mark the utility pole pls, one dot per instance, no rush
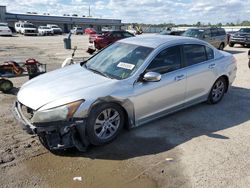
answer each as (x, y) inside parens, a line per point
(89, 10)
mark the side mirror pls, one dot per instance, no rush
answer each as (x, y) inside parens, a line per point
(152, 77)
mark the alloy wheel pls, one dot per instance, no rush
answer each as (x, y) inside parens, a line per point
(218, 90)
(107, 123)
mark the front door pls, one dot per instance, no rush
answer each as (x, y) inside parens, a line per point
(154, 99)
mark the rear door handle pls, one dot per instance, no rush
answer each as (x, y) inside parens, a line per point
(211, 66)
(180, 77)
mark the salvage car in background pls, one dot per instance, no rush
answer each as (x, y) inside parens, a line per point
(44, 30)
(171, 31)
(90, 31)
(241, 37)
(131, 82)
(5, 30)
(77, 30)
(215, 36)
(26, 28)
(56, 30)
(102, 40)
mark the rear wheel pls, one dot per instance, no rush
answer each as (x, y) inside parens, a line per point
(221, 47)
(105, 123)
(217, 92)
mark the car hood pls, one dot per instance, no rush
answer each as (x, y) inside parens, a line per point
(69, 83)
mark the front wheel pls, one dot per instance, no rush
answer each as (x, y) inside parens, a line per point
(231, 44)
(217, 92)
(105, 123)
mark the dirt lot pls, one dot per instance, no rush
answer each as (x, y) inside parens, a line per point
(203, 146)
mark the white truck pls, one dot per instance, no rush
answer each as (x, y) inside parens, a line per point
(26, 28)
(55, 28)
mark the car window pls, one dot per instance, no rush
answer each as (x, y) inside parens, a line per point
(222, 32)
(214, 32)
(207, 33)
(116, 35)
(126, 34)
(210, 53)
(166, 61)
(194, 53)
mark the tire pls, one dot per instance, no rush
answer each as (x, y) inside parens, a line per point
(217, 92)
(99, 127)
(6, 85)
(221, 47)
(231, 44)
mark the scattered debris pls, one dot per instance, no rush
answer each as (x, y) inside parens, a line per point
(169, 159)
(77, 178)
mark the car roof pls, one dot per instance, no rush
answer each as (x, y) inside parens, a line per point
(153, 41)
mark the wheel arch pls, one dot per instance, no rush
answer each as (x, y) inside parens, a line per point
(226, 78)
(125, 104)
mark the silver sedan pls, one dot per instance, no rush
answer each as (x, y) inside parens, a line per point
(129, 83)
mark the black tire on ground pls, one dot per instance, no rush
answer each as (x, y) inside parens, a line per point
(231, 44)
(91, 121)
(218, 90)
(5, 85)
(221, 47)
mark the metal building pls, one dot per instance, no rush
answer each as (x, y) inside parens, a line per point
(64, 22)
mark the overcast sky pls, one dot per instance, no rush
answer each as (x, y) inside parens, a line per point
(141, 11)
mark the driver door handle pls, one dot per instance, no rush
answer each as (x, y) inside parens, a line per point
(180, 77)
(211, 66)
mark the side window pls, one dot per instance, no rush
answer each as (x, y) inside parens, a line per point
(166, 61)
(222, 32)
(214, 32)
(116, 35)
(194, 54)
(207, 33)
(210, 53)
(125, 34)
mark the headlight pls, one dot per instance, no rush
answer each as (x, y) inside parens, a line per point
(60, 113)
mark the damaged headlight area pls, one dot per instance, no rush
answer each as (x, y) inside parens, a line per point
(59, 113)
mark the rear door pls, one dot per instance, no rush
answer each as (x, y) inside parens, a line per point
(201, 71)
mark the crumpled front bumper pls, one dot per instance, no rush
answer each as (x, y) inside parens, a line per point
(58, 134)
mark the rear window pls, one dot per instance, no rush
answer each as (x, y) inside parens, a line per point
(210, 53)
(194, 54)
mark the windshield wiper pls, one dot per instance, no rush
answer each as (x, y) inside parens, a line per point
(98, 72)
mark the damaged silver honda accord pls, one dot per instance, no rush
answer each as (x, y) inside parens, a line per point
(129, 83)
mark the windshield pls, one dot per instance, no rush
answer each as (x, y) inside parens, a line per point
(44, 27)
(29, 26)
(245, 30)
(119, 60)
(196, 33)
(55, 27)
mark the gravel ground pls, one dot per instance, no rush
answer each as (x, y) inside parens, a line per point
(202, 146)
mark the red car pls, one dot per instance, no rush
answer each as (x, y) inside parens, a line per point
(107, 38)
(90, 31)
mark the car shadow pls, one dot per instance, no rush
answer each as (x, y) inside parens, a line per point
(166, 133)
(234, 51)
